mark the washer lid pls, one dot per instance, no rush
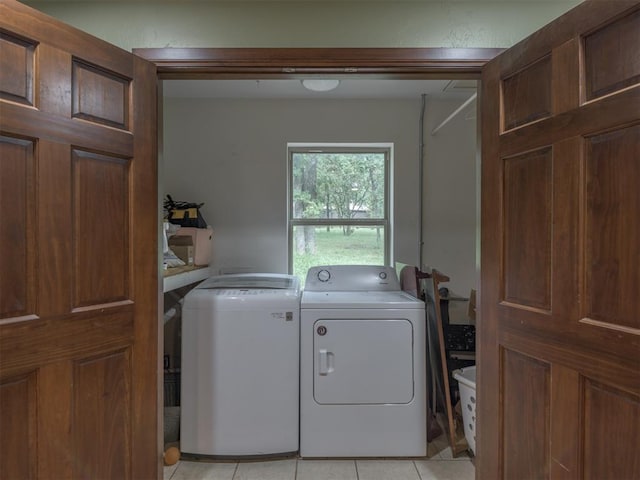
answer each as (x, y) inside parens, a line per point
(252, 281)
(372, 299)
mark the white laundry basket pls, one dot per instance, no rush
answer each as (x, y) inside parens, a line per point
(466, 378)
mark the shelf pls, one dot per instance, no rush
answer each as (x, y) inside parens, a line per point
(181, 276)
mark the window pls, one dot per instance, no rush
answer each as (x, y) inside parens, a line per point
(339, 205)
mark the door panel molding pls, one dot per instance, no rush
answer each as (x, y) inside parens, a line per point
(111, 107)
(19, 58)
(612, 170)
(609, 413)
(526, 95)
(17, 229)
(525, 423)
(18, 421)
(100, 242)
(102, 399)
(606, 73)
(527, 209)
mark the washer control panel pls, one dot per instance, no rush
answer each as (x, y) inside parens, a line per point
(324, 275)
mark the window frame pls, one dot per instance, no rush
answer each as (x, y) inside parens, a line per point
(386, 222)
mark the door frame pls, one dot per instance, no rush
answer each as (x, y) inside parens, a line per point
(295, 63)
(280, 63)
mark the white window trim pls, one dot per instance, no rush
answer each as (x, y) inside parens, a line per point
(387, 222)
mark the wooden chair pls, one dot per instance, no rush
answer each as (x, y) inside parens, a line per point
(456, 437)
(411, 281)
(425, 285)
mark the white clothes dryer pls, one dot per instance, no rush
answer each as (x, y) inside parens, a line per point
(240, 366)
(362, 367)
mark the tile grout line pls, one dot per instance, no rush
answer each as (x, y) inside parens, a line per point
(355, 463)
(235, 470)
(174, 470)
(417, 471)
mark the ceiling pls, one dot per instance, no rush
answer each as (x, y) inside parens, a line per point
(356, 88)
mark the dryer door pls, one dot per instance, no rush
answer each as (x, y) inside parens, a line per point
(363, 361)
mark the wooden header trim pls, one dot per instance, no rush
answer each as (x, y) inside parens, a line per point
(183, 63)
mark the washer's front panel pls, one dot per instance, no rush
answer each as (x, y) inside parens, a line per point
(363, 361)
(240, 371)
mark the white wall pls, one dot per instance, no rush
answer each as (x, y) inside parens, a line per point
(449, 215)
(424, 23)
(232, 155)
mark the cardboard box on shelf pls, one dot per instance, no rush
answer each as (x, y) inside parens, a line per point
(202, 243)
(182, 246)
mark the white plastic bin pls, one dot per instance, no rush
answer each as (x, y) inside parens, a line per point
(466, 378)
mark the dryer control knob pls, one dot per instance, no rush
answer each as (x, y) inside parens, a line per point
(324, 275)
(383, 275)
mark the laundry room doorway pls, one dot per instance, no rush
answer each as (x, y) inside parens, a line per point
(210, 155)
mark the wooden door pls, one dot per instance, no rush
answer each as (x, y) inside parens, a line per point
(559, 346)
(78, 240)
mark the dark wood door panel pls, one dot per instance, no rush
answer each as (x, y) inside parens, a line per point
(90, 394)
(96, 213)
(591, 422)
(17, 229)
(526, 95)
(607, 67)
(612, 201)
(18, 60)
(102, 399)
(527, 210)
(100, 228)
(611, 421)
(569, 406)
(525, 399)
(111, 107)
(18, 421)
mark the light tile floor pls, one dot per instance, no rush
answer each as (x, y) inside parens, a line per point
(438, 465)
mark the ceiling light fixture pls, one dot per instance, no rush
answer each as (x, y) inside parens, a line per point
(320, 84)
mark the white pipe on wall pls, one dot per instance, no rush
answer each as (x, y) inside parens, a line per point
(421, 187)
(454, 113)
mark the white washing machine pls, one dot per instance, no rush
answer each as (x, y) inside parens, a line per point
(240, 366)
(362, 367)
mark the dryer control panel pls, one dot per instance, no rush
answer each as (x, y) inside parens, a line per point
(353, 278)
